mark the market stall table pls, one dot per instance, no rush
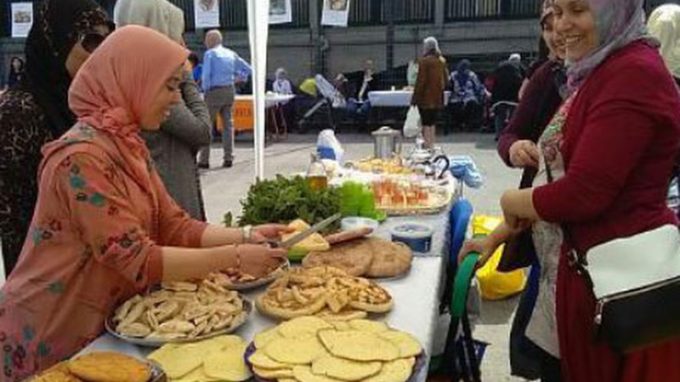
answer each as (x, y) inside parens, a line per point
(242, 113)
(416, 295)
(395, 98)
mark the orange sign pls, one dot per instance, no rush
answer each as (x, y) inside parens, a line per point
(242, 114)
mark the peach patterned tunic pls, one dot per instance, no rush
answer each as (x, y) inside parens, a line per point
(94, 241)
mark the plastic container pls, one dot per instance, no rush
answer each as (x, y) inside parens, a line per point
(326, 153)
(417, 236)
(355, 222)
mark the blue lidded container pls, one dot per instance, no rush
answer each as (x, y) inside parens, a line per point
(417, 236)
(326, 153)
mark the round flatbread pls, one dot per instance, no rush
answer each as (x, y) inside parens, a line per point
(353, 257)
(261, 360)
(273, 374)
(369, 326)
(305, 374)
(390, 259)
(263, 338)
(407, 344)
(344, 369)
(302, 326)
(295, 351)
(343, 315)
(109, 367)
(395, 371)
(358, 346)
(227, 364)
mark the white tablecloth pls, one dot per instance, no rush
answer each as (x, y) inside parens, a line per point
(395, 98)
(416, 296)
(272, 99)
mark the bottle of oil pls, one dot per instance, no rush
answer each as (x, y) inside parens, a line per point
(316, 174)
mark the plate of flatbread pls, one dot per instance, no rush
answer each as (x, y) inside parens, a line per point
(369, 257)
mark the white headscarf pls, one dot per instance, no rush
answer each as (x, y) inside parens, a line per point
(664, 24)
(431, 45)
(160, 15)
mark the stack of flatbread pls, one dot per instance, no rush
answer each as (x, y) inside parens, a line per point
(368, 257)
(309, 349)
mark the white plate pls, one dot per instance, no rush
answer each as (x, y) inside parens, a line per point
(247, 308)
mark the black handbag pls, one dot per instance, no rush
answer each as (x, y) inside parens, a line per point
(636, 283)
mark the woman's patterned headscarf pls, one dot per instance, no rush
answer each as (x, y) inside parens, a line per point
(618, 23)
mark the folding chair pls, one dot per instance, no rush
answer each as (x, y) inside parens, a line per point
(462, 355)
(459, 218)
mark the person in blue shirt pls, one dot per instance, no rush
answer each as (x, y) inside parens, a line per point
(196, 68)
(222, 67)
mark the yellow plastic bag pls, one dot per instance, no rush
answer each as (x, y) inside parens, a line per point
(493, 284)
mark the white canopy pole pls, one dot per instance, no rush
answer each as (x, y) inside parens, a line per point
(258, 30)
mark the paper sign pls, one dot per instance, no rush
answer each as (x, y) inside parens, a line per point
(207, 14)
(22, 19)
(280, 12)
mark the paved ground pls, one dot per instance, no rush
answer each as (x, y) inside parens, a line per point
(223, 188)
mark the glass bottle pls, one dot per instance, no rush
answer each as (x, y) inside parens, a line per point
(316, 174)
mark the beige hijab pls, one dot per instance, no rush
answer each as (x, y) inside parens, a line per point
(160, 15)
(664, 24)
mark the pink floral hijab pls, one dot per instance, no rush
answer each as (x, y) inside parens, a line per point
(619, 22)
(116, 85)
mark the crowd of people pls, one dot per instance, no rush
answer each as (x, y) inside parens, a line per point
(107, 121)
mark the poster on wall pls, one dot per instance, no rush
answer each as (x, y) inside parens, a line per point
(335, 13)
(280, 12)
(22, 19)
(207, 14)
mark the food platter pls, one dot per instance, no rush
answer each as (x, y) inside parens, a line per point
(179, 312)
(61, 370)
(247, 310)
(309, 348)
(324, 291)
(253, 284)
(421, 362)
(402, 199)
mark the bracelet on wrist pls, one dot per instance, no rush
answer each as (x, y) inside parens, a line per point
(246, 233)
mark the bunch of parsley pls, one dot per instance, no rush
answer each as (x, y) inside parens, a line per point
(283, 200)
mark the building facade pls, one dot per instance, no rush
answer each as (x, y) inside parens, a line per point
(389, 32)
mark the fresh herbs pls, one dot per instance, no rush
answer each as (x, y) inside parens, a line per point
(282, 200)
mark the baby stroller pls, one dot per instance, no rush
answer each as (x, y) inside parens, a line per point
(323, 113)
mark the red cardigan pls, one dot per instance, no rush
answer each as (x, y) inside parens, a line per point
(622, 136)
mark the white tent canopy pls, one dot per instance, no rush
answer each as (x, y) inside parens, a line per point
(258, 31)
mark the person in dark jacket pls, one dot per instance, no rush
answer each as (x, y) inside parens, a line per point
(16, 72)
(174, 147)
(517, 147)
(63, 35)
(428, 95)
(508, 79)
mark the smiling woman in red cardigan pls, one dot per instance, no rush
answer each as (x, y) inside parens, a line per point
(618, 140)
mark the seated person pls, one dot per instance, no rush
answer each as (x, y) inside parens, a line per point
(467, 97)
(357, 101)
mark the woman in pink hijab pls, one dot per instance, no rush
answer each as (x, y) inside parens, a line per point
(104, 227)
